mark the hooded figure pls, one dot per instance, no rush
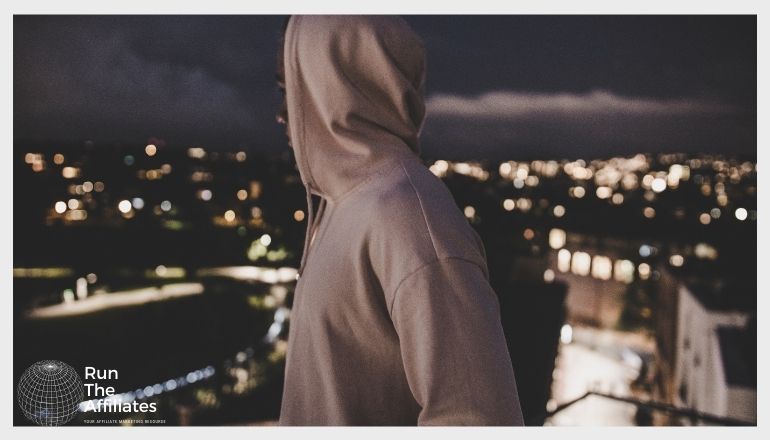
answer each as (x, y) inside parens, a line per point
(394, 321)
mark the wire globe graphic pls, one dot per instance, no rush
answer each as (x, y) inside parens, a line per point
(49, 393)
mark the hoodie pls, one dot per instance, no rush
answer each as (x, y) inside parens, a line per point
(393, 321)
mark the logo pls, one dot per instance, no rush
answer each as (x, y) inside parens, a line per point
(49, 393)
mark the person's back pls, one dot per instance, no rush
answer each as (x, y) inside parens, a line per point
(393, 321)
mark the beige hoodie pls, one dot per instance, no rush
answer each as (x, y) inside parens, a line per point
(394, 321)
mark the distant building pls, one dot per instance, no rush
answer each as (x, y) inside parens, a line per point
(707, 348)
(598, 270)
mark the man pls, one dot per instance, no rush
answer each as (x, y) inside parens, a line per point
(394, 321)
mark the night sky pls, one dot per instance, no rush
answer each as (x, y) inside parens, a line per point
(498, 86)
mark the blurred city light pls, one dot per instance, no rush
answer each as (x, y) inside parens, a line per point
(614, 256)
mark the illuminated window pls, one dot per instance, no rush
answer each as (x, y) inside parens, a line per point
(624, 271)
(440, 168)
(197, 153)
(462, 168)
(649, 212)
(79, 214)
(722, 200)
(70, 172)
(644, 271)
(647, 181)
(603, 192)
(658, 184)
(563, 261)
(581, 263)
(577, 192)
(630, 182)
(557, 238)
(505, 169)
(524, 204)
(124, 206)
(602, 268)
(706, 251)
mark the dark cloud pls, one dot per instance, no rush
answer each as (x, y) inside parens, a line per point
(654, 56)
(597, 123)
(497, 85)
(188, 79)
(511, 106)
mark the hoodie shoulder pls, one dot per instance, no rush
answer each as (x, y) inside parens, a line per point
(414, 222)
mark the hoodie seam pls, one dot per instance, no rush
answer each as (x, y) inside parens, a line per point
(425, 266)
(422, 209)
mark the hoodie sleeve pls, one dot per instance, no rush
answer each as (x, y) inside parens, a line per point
(455, 355)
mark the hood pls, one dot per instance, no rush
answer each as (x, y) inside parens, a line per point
(354, 97)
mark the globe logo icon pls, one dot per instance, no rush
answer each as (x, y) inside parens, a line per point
(49, 393)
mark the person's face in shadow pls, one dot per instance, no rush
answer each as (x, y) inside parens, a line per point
(282, 116)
